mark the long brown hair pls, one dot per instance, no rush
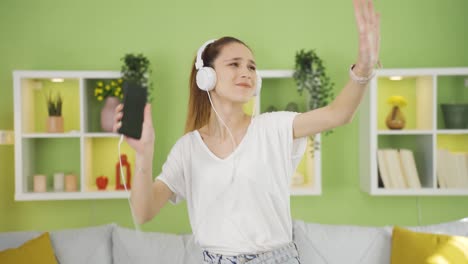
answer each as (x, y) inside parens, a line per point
(199, 108)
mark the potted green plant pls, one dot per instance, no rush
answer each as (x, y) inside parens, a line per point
(455, 111)
(310, 75)
(54, 109)
(137, 92)
(136, 72)
(455, 115)
(109, 91)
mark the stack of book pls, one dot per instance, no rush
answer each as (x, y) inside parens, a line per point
(452, 169)
(397, 169)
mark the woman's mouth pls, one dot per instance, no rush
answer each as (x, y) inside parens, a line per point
(245, 85)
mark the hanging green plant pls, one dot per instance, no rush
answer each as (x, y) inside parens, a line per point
(310, 75)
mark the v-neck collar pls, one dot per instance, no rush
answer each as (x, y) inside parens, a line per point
(239, 146)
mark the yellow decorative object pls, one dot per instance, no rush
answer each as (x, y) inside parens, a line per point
(108, 88)
(38, 250)
(396, 119)
(409, 247)
(397, 100)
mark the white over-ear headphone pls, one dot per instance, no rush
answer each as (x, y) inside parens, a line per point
(206, 76)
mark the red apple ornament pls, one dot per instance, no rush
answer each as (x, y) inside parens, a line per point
(101, 182)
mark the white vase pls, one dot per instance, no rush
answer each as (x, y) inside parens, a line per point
(107, 113)
(59, 181)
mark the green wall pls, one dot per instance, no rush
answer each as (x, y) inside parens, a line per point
(94, 35)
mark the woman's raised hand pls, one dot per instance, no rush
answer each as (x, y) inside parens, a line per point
(368, 24)
(146, 143)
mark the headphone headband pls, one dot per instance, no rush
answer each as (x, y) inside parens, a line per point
(199, 63)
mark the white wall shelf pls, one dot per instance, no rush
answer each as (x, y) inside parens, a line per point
(425, 132)
(72, 196)
(80, 149)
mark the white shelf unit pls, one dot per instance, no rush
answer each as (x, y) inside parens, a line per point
(424, 133)
(77, 150)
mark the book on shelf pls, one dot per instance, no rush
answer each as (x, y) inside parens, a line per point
(442, 168)
(383, 169)
(397, 169)
(452, 169)
(392, 162)
(461, 169)
(409, 169)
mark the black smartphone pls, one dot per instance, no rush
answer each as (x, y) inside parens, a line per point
(134, 101)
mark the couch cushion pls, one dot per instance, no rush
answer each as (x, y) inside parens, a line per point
(37, 250)
(16, 239)
(130, 246)
(83, 245)
(456, 228)
(410, 247)
(193, 252)
(318, 243)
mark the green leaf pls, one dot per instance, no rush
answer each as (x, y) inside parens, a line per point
(310, 75)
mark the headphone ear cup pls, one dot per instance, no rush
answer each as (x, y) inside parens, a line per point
(206, 78)
(258, 85)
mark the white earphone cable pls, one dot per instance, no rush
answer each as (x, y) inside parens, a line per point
(137, 228)
(230, 134)
(220, 119)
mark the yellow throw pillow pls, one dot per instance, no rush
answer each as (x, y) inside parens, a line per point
(410, 247)
(38, 250)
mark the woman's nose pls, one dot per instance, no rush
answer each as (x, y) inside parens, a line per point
(246, 73)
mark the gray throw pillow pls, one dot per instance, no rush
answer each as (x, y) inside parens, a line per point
(324, 244)
(16, 239)
(130, 246)
(83, 245)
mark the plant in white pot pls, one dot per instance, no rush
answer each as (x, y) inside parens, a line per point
(54, 109)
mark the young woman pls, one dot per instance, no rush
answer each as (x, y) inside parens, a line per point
(234, 170)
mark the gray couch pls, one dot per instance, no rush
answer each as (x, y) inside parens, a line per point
(317, 244)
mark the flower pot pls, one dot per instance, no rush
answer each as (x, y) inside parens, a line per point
(395, 119)
(455, 115)
(107, 113)
(55, 124)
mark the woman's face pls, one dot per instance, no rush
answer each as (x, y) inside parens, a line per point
(236, 73)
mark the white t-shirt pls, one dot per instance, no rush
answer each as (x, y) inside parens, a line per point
(241, 211)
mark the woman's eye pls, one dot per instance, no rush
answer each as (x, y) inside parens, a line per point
(234, 64)
(253, 68)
